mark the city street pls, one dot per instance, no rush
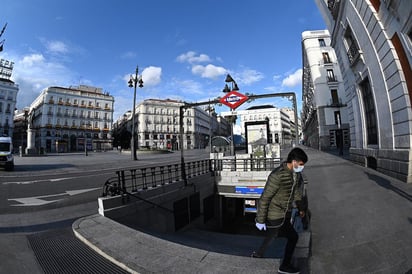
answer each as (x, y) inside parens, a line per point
(47, 193)
(57, 181)
(360, 218)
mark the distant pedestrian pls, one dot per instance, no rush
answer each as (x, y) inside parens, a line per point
(281, 194)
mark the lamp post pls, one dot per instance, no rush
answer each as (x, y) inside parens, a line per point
(133, 81)
(226, 89)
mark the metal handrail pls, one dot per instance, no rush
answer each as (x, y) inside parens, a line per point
(143, 179)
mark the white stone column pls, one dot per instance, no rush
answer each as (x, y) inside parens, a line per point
(31, 149)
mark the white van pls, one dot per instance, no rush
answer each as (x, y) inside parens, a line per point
(6, 153)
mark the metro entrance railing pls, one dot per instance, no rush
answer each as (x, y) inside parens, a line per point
(146, 178)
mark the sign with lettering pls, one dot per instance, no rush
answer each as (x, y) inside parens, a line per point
(233, 99)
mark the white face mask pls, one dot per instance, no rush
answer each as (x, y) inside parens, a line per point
(298, 169)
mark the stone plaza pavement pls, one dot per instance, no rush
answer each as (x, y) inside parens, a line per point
(361, 223)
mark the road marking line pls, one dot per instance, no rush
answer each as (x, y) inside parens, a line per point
(37, 200)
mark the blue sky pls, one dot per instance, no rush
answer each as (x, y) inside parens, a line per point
(184, 48)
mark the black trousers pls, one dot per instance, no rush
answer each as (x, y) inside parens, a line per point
(287, 231)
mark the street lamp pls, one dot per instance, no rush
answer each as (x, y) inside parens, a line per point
(133, 81)
(234, 86)
(226, 89)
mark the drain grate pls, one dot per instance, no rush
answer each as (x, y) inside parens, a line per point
(59, 251)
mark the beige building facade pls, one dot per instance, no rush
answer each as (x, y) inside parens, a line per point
(70, 119)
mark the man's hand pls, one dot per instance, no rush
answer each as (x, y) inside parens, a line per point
(261, 226)
(302, 213)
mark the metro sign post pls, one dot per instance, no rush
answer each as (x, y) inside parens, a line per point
(233, 99)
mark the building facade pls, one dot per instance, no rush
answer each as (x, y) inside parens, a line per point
(324, 117)
(8, 96)
(71, 119)
(279, 122)
(158, 125)
(373, 43)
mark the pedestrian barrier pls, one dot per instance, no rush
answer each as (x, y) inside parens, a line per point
(143, 179)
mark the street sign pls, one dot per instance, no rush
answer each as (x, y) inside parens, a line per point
(233, 99)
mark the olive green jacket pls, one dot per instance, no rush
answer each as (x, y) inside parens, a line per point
(282, 189)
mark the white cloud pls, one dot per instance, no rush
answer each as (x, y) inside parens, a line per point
(128, 55)
(33, 73)
(249, 76)
(33, 59)
(56, 47)
(192, 57)
(209, 71)
(276, 77)
(293, 79)
(189, 87)
(152, 76)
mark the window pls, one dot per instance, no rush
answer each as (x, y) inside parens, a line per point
(334, 95)
(322, 42)
(370, 113)
(330, 75)
(326, 58)
(351, 47)
(337, 118)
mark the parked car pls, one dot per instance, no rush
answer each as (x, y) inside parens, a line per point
(6, 153)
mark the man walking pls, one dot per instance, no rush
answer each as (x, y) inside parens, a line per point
(282, 192)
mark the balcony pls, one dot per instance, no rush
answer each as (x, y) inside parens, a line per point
(353, 54)
(336, 103)
(332, 79)
(333, 6)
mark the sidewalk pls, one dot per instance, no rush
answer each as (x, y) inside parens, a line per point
(361, 223)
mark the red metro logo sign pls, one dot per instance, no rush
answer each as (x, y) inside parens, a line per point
(233, 99)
